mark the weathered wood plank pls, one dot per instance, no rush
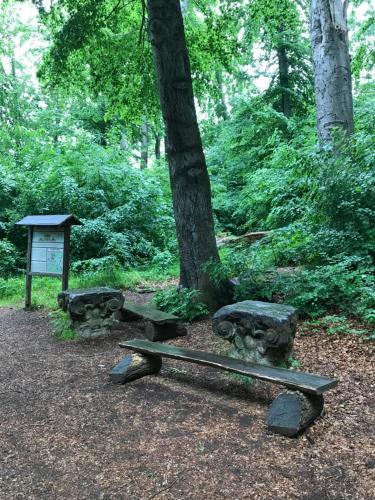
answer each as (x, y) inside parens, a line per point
(305, 382)
(147, 312)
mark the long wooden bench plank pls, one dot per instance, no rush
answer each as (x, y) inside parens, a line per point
(305, 382)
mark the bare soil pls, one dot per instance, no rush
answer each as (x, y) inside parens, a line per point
(189, 433)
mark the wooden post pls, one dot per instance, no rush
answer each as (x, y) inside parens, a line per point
(28, 268)
(65, 275)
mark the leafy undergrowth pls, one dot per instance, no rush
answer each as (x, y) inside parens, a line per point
(45, 289)
(183, 302)
(333, 324)
(62, 326)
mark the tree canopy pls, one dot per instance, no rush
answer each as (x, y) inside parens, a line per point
(72, 140)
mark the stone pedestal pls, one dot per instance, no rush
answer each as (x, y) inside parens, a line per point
(261, 332)
(91, 310)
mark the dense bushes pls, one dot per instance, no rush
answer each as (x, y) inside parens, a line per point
(126, 213)
(269, 173)
(9, 258)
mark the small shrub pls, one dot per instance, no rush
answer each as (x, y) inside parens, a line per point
(9, 257)
(11, 288)
(183, 302)
(62, 326)
(163, 259)
(95, 265)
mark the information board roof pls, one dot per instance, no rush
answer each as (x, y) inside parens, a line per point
(49, 220)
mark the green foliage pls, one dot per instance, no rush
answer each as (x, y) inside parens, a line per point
(62, 326)
(347, 284)
(268, 173)
(335, 324)
(364, 44)
(61, 154)
(183, 302)
(9, 258)
(246, 381)
(45, 289)
(112, 198)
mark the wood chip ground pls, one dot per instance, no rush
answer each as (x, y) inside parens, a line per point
(189, 433)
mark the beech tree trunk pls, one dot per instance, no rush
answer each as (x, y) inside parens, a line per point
(187, 166)
(284, 80)
(333, 85)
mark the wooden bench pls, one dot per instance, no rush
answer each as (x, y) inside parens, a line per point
(290, 412)
(159, 324)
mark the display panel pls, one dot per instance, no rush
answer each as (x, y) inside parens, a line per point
(47, 252)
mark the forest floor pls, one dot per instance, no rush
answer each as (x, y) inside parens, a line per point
(189, 433)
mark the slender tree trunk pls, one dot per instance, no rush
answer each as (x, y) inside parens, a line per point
(221, 106)
(144, 144)
(187, 166)
(157, 145)
(284, 80)
(101, 124)
(333, 85)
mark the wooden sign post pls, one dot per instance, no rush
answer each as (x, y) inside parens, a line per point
(47, 248)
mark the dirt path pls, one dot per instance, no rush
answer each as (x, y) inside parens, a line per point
(189, 433)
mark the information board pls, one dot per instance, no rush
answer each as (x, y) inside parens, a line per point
(47, 252)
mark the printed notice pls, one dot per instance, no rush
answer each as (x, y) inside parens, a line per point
(47, 252)
(55, 260)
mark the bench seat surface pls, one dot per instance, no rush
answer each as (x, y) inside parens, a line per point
(305, 382)
(149, 313)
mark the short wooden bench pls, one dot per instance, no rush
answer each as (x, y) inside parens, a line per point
(159, 324)
(290, 412)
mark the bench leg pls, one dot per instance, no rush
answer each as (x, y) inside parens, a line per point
(292, 411)
(133, 366)
(164, 332)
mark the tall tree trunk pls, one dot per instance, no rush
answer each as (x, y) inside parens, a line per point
(187, 166)
(144, 144)
(333, 84)
(284, 80)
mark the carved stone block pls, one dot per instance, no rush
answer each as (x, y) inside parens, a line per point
(92, 309)
(261, 332)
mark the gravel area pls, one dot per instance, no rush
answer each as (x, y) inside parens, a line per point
(189, 433)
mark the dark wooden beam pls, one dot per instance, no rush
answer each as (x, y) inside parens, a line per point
(28, 268)
(134, 366)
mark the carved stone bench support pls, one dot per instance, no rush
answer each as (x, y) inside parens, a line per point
(260, 332)
(91, 310)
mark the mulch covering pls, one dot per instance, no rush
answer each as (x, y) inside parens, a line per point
(189, 433)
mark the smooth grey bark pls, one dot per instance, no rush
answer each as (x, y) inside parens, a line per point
(333, 84)
(284, 80)
(189, 178)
